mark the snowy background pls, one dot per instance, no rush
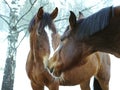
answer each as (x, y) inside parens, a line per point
(21, 80)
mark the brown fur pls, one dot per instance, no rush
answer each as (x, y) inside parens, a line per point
(72, 50)
(96, 64)
(108, 40)
(39, 53)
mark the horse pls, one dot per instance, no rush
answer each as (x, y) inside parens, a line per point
(96, 64)
(81, 39)
(36, 65)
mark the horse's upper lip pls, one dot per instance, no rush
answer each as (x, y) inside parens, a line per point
(51, 70)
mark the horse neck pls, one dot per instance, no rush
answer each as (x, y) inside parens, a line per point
(55, 40)
(55, 37)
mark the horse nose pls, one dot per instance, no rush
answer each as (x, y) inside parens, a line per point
(51, 69)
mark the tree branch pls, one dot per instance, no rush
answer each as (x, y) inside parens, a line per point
(21, 40)
(22, 29)
(61, 19)
(90, 7)
(2, 17)
(60, 29)
(26, 20)
(26, 12)
(22, 26)
(7, 4)
(105, 1)
(30, 2)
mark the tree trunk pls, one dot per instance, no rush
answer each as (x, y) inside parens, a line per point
(9, 70)
(8, 79)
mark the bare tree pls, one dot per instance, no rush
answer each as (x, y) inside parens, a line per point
(14, 29)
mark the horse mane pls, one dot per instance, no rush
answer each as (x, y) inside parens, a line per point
(44, 21)
(94, 23)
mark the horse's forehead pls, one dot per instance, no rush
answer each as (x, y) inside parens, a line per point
(49, 34)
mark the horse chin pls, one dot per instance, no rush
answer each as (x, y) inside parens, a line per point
(57, 73)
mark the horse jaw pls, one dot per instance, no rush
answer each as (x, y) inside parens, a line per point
(45, 60)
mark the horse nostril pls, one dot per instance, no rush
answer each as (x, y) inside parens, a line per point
(51, 69)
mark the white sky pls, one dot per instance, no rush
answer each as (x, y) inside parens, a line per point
(21, 79)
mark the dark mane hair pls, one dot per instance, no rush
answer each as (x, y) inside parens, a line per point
(44, 21)
(94, 23)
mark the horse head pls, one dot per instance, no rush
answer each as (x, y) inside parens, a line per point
(39, 41)
(81, 40)
(70, 50)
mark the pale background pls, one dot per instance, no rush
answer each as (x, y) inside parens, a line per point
(21, 80)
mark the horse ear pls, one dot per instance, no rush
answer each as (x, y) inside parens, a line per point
(80, 15)
(40, 13)
(72, 19)
(54, 13)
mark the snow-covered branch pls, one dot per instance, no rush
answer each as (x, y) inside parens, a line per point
(30, 2)
(21, 40)
(21, 26)
(8, 5)
(23, 29)
(26, 12)
(61, 19)
(2, 17)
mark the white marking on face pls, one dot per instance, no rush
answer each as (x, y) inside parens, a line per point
(55, 51)
(52, 51)
(49, 32)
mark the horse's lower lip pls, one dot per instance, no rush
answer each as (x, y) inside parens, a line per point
(57, 74)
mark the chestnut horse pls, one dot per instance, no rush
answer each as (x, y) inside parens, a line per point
(36, 65)
(81, 39)
(96, 64)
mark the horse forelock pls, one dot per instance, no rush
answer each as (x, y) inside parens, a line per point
(48, 26)
(43, 28)
(46, 20)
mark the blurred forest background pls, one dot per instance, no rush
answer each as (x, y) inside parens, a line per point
(15, 16)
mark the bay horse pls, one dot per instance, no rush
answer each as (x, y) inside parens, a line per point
(96, 64)
(36, 65)
(98, 32)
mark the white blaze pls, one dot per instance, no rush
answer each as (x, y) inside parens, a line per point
(49, 32)
(52, 51)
